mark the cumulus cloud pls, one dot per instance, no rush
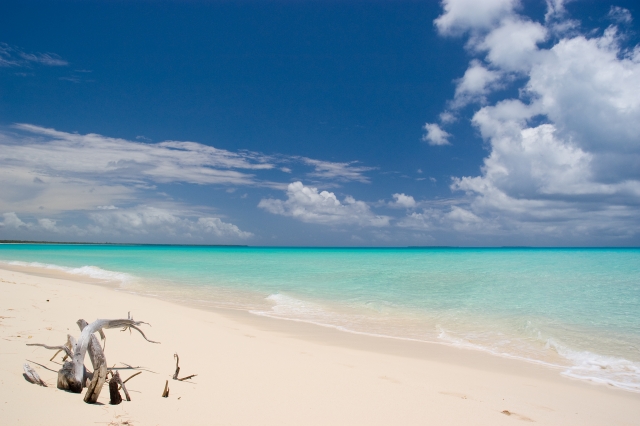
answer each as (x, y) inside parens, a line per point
(135, 221)
(565, 156)
(307, 204)
(435, 135)
(464, 15)
(149, 219)
(476, 83)
(512, 46)
(11, 220)
(403, 201)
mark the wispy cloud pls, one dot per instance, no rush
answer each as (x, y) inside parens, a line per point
(342, 172)
(12, 56)
(55, 178)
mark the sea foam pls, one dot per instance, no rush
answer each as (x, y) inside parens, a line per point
(88, 271)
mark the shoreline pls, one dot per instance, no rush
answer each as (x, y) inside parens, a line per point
(330, 334)
(259, 370)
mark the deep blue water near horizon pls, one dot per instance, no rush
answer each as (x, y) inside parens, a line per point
(577, 309)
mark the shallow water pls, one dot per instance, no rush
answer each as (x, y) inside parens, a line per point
(578, 309)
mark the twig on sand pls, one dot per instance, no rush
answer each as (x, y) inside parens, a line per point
(132, 376)
(175, 375)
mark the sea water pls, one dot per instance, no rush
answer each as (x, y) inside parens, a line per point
(573, 309)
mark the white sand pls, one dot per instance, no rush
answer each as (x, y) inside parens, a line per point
(260, 371)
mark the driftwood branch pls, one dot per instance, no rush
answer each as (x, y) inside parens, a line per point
(59, 348)
(99, 363)
(31, 375)
(55, 355)
(175, 375)
(165, 393)
(116, 376)
(85, 339)
(131, 377)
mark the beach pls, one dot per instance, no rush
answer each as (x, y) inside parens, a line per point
(257, 370)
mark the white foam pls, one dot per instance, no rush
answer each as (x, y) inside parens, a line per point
(583, 365)
(88, 271)
(610, 370)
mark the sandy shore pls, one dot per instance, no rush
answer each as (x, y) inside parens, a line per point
(259, 371)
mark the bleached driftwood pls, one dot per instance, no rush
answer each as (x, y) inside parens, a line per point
(66, 376)
(99, 363)
(72, 376)
(31, 375)
(85, 339)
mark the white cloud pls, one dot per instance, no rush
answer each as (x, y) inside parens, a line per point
(56, 178)
(512, 46)
(306, 204)
(11, 220)
(565, 157)
(135, 221)
(435, 135)
(476, 83)
(149, 219)
(343, 172)
(11, 56)
(121, 159)
(620, 15)
(463, 15)
(47, 224)
(403, 201)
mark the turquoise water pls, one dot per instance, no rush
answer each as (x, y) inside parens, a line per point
(575, 309)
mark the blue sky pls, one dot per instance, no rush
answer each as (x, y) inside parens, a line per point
(461, 122)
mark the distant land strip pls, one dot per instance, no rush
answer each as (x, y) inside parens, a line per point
(118, 244)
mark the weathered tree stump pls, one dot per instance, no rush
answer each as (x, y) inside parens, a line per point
(114, 394)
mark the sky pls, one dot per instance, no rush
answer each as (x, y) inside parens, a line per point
(321, 123)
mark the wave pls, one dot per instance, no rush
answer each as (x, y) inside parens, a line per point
(610, 370)
(87, 270)
(582, 365)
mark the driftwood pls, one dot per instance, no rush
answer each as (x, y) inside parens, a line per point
(165, 393)
(87, 332)
(99, 363)
(73, 374)
(31, 375)
(175, 375)
(116, 376)
(131, 377)
(114, 395)
(67, 379)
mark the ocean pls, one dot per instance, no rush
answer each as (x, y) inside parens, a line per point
(573, 309)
